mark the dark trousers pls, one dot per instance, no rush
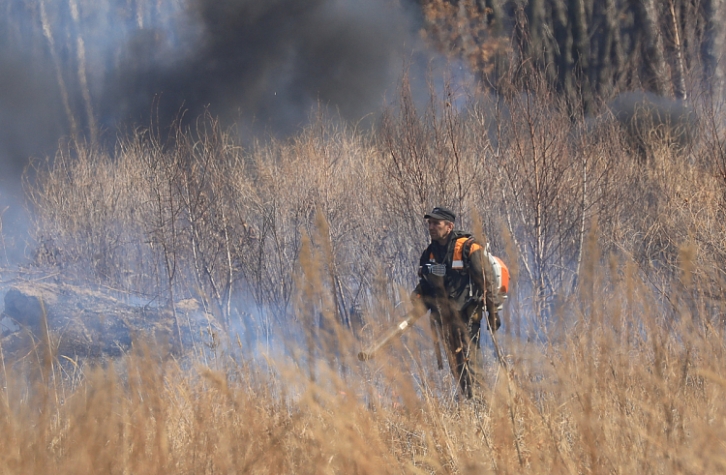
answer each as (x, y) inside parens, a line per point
(461, 340)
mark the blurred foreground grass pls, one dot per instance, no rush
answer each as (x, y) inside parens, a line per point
(613, 388)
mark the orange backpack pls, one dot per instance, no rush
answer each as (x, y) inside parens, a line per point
(501, 273)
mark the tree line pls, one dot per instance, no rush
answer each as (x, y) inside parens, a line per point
(589, 50)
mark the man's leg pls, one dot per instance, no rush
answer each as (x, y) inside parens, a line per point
(463, 362)
(474, 361)
(435, 321)
(457, 342)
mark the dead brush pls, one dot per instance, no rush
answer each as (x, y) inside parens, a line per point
(614, 342)
(620, 377)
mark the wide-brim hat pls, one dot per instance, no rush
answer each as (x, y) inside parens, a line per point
(442, 214)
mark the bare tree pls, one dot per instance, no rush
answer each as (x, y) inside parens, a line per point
(581, 52)
(610, 56)
(653, 62)
(713, 44)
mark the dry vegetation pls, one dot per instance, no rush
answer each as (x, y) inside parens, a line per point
(613, 347)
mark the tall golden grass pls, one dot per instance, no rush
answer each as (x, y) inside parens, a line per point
(618, 388)
(612, 351)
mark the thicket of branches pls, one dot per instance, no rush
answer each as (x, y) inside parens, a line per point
(198, 214)
(612, 225)
(633, 354)
(589, 50)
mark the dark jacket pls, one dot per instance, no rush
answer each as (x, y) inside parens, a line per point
(468, 278)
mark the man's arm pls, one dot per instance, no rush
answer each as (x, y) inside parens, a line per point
(482, 274)
(420, 287)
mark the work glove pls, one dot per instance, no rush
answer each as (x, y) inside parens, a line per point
(474, 327)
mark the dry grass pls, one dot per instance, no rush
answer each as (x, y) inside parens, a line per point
(613, 342)
(622, 390)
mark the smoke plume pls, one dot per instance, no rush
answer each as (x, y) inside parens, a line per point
(263, 65)
(83, 69)
(267, 62)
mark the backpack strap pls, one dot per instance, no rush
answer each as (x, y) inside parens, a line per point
(457, 261)
(463, 249)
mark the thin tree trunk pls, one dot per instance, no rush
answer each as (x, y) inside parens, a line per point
(533, 38)
(563, 36)
(678, 71)
(583, 220)
(713, 45)
(82, 72)
(654, 64)
(581, 51)
(494, 15)
(540, 48)
(610, 49)
(48, 33)
(495, 20)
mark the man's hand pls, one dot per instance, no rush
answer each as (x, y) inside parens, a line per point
(474, 327)
(476, 315)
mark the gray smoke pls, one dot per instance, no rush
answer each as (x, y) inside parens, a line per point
(651, 120)
(30, 125)
(263, 65)
(267, 63)
(30, 113)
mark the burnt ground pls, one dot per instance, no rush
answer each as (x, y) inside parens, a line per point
(87, 322)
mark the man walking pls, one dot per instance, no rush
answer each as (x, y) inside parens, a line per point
(456, 284)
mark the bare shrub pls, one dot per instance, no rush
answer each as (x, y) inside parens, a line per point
(623, 375)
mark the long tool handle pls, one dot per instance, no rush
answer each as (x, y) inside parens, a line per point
(400, 328)
(437, 343)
